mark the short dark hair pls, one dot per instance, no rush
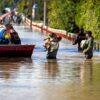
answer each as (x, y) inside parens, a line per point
(89, 33)
(9, 25)
(59, 38)
(52, 35)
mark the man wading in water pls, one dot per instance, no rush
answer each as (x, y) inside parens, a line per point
(80, 37)
(88, 46)
(52, 46)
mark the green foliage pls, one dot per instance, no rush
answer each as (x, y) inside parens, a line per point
(67, 14)
(61, 14)
(6, 3)
(88, 16)
(53, 15)
(21, 5)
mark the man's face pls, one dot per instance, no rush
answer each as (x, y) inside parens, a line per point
(87, 35)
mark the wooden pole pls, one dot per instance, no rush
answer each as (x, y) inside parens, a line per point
(31, 6)
(25, 9)
(45, 4)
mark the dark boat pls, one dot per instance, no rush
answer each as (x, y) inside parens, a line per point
(16, 50)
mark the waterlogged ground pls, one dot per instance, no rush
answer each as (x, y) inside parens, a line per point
(70, 77)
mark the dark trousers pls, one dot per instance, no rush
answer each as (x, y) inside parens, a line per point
(88, 56)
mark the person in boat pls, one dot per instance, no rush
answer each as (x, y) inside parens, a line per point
(88, 46)
(12, 35)
(80, 37)
(53, 48)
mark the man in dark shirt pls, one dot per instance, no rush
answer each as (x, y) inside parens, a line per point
(14, 37)
(80, 37)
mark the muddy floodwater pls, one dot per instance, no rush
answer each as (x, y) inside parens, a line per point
(69, 77)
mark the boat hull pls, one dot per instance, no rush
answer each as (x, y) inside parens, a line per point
(16, 50)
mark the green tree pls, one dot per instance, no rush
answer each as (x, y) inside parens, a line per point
(65, 14)
(62, 14)
(6, 3)
(88, 16)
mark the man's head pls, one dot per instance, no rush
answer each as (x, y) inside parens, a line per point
(82, 30)
(59, 38)
(8, 26)
(88, 34)
(52, 35)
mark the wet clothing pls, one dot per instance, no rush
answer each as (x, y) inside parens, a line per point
(52, 50)
(52, 55)
(88, 50)
(54, 46)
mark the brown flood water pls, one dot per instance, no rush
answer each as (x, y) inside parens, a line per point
(70, 77)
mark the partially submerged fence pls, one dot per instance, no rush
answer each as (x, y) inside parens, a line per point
(48, 30)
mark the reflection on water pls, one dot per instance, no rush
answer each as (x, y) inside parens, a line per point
(10, 66)
(51, 68)
(86, 72)
(6, 71)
